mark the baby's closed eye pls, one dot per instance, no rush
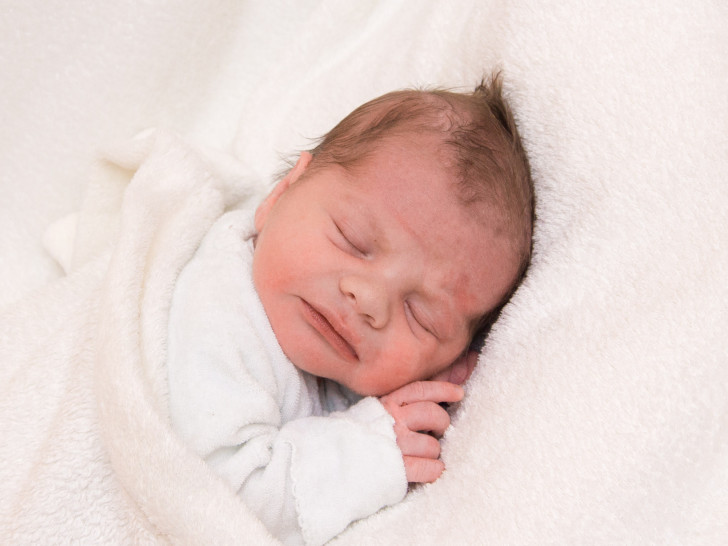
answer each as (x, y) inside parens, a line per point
(417, 316)
(350, 241)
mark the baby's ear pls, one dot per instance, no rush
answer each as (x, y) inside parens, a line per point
(261, 213)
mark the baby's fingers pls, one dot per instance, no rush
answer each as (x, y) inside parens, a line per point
(425, 416)
(415, 444)
(421, 470)
(422, 391)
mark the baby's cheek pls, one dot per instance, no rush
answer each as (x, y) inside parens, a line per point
(271, 272)
(404, 362)
(438, 358)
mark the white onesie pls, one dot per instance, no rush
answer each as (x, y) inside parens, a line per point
(304, 459)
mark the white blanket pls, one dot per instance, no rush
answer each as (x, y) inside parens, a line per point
(89, 453)
(599, 411)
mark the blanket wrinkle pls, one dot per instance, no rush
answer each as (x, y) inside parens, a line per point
(98, 459)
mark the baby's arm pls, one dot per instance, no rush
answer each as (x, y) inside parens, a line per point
(319, 474)
(416, 411)
(307, 478)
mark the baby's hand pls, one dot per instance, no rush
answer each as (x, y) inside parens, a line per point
(416, 411)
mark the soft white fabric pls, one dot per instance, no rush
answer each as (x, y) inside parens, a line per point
(598, 414)
(90, 455)
(262, 424)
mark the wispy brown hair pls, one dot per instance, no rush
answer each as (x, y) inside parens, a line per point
(478, 135)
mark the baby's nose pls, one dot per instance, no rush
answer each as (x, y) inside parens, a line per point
(369, 298)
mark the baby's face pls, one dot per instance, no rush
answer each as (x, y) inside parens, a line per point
(374, 278)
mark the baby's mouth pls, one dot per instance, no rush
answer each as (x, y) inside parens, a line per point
(329, 333)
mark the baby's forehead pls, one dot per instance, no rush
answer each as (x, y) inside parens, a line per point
(416, 180)
(460, 247)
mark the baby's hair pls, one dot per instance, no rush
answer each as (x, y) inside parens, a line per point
(480, 143)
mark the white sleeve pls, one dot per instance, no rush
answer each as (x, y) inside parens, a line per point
(325, 472)
(307, 478)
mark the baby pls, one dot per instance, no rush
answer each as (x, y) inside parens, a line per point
(312, 341)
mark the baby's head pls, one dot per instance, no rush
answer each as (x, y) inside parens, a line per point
(389, 245)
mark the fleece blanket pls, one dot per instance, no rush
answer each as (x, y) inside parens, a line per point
(88, 448)
(598, 413)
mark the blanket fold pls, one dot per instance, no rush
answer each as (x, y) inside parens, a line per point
(93, 455)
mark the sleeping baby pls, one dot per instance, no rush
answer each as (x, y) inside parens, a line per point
(314, 339)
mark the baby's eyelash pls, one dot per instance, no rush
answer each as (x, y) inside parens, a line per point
(418, 320)
(348, 240)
